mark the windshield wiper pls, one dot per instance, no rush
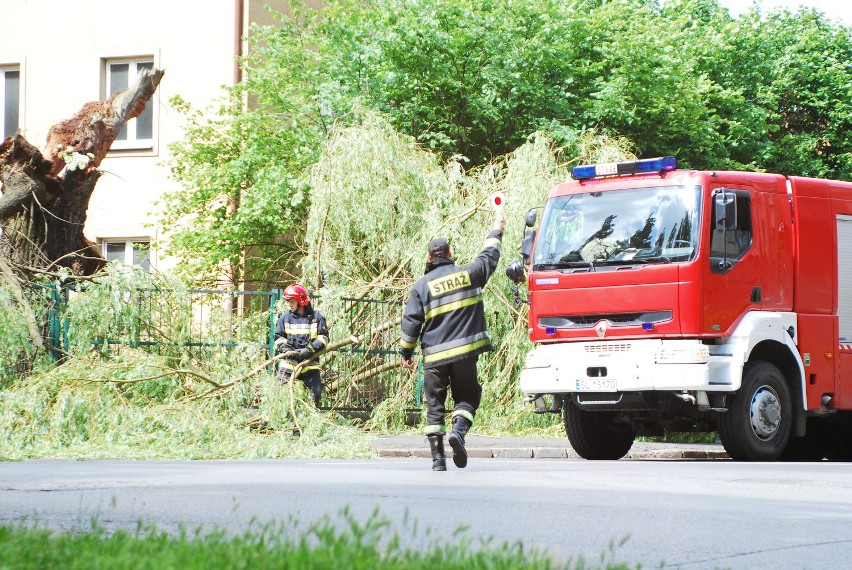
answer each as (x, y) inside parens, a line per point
(655, 259)
(634, 261)
(562, 265)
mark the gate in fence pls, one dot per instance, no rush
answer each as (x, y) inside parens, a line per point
(359, 377)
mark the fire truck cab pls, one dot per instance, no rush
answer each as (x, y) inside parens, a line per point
(663, 299)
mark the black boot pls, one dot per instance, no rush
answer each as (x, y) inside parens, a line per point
(460, 427)
(439, 460)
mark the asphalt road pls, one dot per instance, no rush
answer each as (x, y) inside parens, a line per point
(686, 513)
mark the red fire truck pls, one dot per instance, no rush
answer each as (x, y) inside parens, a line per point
(674, 300)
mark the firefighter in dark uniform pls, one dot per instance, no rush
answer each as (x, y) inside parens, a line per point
(301, 332)
(445, 313)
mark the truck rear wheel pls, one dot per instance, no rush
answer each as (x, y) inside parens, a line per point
(757, 425)
(596, 435)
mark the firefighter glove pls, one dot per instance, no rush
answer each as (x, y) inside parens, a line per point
(305, 354)
(291, 354)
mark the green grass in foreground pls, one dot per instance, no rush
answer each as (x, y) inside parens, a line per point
(371, 545)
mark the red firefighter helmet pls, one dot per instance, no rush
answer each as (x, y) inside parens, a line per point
(297, 292)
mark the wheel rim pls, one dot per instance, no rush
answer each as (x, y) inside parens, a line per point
(765, 412)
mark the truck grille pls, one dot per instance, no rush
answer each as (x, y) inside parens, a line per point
(614, 319)
(602, 347)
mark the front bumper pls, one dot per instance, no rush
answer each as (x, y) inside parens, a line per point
(624, 366)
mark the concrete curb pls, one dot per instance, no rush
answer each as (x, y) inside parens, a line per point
(552, 453)
(510, 447)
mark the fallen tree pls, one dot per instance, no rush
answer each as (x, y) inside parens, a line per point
(45, 198)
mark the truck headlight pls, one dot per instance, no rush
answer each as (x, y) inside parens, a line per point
(537, 360)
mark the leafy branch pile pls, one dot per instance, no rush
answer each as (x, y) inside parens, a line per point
(183, 401)
(69, 412)
(378, 198)
(18, 348)
(157, 394)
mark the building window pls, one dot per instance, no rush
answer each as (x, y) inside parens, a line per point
(138, 133)
(10, 100)
(128, 251)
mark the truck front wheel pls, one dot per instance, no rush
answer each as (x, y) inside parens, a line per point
(757, 425)
(596, 435)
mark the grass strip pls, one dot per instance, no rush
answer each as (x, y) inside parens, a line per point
(369, 545)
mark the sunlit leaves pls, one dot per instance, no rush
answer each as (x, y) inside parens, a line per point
(473, 80)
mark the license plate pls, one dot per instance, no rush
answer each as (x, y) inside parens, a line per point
(596, 385)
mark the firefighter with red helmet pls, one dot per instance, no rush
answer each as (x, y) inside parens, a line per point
(300, 333)
(445, 313)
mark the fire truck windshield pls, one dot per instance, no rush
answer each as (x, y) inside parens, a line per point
(619, 227)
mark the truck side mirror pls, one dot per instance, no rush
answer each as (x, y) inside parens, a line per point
(529, 235)
(725, 210)
(515, 271)
(527, 245)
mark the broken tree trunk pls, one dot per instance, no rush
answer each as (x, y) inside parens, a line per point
(45, 199)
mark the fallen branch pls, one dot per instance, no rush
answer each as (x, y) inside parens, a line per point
(365, 375)
(354, 339)
(12, 282)
(168, 372)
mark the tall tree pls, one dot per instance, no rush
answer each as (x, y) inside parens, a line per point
(236, 221)
(239, 219)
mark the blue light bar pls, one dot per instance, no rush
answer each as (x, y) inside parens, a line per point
(645, 166)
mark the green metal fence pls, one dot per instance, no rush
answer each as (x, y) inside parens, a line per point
(194, 319)
(355, 378)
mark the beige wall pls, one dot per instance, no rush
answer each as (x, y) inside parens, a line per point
(60, 48)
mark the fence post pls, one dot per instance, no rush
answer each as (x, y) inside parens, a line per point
(418, 389)
(54, 323)
(274, 297)
(63, 324)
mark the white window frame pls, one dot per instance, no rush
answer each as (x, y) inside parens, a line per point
(132, 142)
(129, 244)
(3, 71)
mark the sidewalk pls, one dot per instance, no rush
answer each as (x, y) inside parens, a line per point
(488, 447)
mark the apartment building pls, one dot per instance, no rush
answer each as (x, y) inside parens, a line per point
(56, 56)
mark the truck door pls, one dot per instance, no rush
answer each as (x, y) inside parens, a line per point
(732, 277)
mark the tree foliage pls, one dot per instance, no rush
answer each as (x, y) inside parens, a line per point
(811, 85)
(242, 195)
(473, 80)
(240, 217)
